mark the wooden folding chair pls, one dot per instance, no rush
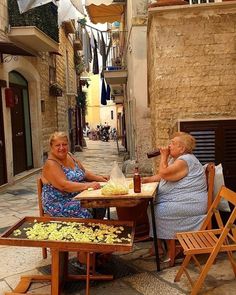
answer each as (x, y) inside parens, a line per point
(41, 211)
(210, 242)
(174, 248)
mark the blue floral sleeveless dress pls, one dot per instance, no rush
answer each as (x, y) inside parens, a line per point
(61, 204)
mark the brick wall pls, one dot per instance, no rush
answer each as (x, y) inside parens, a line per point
(191, 66)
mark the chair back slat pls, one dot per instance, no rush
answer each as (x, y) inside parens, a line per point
(40, 186)
(210, 176)
(227, 194)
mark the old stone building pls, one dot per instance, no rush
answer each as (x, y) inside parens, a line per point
(38, 85)
(191, 74)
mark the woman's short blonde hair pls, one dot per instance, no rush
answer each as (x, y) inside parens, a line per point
(56, 135)
(188, 141)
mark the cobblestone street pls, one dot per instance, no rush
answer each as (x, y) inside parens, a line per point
(137, 274)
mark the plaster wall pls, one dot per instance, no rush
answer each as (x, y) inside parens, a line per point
(191, 65)
(138, 116)
(93, 101)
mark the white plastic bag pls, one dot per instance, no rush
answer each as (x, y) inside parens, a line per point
(117, 184)
(218, 182)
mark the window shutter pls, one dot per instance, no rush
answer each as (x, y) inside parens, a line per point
(205, 145)
(229, 145)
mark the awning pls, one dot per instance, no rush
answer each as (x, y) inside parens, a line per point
(105, 13)
(11, 48)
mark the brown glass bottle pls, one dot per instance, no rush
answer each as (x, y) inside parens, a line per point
(137, 181)
(154, 153)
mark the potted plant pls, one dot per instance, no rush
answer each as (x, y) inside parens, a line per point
(55, 89)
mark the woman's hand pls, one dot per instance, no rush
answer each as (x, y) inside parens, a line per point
(165, 152)
(94, 185)
(105, 178)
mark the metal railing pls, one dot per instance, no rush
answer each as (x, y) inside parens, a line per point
(116, 58)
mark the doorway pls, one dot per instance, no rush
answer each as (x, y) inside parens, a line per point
(21, 126)
(3, 171)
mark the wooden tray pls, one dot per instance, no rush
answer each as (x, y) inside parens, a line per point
(7, 238)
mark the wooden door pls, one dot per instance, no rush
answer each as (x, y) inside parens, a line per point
(3, 173)
(18, 132)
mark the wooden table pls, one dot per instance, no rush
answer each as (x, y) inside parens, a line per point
(95, 199)
(60, 249)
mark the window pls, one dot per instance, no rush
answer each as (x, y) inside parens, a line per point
(215, 142)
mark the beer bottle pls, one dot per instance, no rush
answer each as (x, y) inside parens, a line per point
(137, 181)
(153, 153)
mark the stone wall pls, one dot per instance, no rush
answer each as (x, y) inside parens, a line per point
(55, 117)
(191, 65)
(3, 18)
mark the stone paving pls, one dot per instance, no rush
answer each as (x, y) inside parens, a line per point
(21, 200)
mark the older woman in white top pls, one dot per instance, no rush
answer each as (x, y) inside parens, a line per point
(182, 194)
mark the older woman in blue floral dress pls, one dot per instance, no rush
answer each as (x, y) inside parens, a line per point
(182, 193)
(64, 177)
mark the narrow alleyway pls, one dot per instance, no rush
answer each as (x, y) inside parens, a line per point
(134, 273)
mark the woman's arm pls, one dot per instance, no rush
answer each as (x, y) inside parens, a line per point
(53, 174)
(93, 177)
(175, 171)
(154, 178)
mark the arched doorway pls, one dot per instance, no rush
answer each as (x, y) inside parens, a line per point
(21, 126)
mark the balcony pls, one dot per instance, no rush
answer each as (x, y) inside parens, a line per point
(35, 30)
(117, 94)
(115, 75)
(116, 72)
(32, 39)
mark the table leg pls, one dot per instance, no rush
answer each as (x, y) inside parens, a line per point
(57, 270)
(87, 273)
(155, 235)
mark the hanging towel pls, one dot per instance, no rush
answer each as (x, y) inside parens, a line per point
(95, 59)
(108, 96)
(103, 51)
(103, 93)
(87, 53)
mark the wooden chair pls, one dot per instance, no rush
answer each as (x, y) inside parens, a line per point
(41, 212)
(175, 248)
(209, 241)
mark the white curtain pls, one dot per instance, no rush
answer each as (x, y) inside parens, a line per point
(25, 5)
(78, 5)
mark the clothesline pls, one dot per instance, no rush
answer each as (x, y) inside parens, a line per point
(84, 24)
